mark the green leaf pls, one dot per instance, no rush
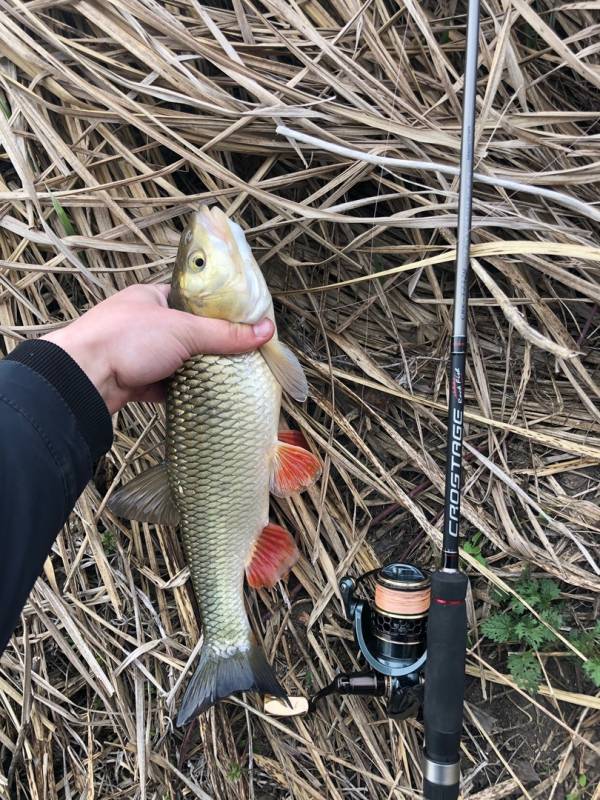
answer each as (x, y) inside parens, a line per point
(582, 780)
(587, 642)
(517, 607)
(4, 107)
(63, 217)
(532, 632)
(473, 549)
(234, 773)
(109, 542)
(526, 671)
(529, 590)
(549, 591)
(553, 617)
(592, 670)
(498, 627)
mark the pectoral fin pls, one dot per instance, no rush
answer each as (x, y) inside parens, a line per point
(146, 498)
(293, 467)
(288, 436)
(286, 368)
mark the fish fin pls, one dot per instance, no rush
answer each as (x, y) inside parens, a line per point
(296, 438)
(218, 676)
(293, 467)
(146, 498)
(273, 555)
(286, 369)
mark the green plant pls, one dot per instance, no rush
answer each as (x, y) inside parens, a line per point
(234, 773)
(589, 644)
(4, 107)
(575, 794)
(514, 624)
(64, 218)
(592, 670)
(473, 547)
(525, 669)
(109, 542)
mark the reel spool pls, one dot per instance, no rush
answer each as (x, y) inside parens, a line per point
(399, 615)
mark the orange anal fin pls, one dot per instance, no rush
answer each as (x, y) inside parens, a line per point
(273, 555)
(293, 468)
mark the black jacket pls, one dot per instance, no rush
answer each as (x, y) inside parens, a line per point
(53, 427)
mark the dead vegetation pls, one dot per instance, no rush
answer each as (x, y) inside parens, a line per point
(118, 118)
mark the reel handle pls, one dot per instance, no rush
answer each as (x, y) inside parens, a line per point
(444, 685)
(368, 684)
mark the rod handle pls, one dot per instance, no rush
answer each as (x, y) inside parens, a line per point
(444, 685)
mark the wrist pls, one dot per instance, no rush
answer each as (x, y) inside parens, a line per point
(90, 354)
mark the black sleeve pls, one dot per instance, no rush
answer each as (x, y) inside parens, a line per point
(53, 426)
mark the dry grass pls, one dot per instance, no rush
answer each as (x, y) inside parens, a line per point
(119, 117)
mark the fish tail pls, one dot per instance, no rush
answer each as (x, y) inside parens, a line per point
(220, 674)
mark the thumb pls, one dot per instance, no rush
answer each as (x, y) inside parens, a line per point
(218, 337)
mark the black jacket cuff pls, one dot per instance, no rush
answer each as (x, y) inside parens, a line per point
(79, 393)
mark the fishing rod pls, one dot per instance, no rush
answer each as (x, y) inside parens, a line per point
(413, 635)
(447, 624)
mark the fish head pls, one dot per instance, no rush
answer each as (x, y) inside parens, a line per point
(215, 273)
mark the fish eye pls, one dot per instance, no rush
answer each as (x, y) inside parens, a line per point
(197, 261)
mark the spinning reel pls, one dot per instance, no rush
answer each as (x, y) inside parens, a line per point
(410, 613)
(391, 634)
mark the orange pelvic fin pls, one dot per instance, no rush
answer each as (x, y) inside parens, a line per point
(293, 467)
(274, 554)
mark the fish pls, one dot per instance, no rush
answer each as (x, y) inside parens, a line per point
(225, 455)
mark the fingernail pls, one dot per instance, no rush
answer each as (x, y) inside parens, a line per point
(262, 328)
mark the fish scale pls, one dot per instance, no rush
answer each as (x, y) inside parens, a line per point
(222, 419)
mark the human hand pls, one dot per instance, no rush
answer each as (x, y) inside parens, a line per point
(128, 344)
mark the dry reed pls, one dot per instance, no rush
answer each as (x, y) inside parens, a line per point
(116, 119)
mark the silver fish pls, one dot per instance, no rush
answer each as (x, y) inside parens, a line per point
(224, 455)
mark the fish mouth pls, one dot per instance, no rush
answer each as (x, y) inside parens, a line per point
(213, 220)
